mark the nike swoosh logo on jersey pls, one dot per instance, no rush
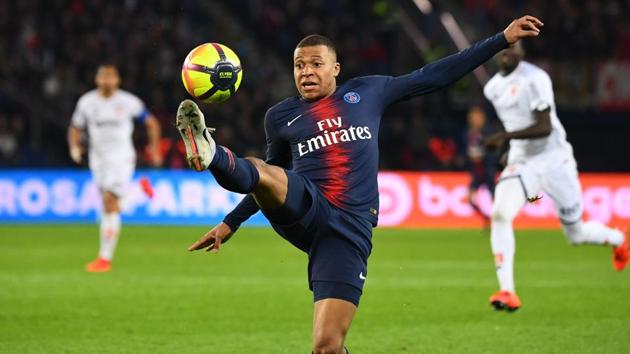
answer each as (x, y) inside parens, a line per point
(361, 276)
(293, 120)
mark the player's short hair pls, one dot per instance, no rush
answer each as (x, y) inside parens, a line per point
(108, 65)
(475, 108)
(317, 39)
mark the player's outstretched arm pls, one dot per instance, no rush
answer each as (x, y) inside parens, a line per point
(213, 239)
(443, 72)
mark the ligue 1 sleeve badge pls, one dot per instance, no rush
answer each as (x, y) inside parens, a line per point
(352, 97)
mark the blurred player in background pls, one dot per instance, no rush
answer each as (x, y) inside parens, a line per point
(482, 164)
(107, 113)
(318, 186)
(539, 159)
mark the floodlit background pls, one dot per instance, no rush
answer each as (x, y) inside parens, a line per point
(50, 50)
(431, 271)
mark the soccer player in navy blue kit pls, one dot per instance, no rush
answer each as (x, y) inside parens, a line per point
(318, 185)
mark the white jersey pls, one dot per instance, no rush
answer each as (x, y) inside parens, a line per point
(515, 96)
(109, 121)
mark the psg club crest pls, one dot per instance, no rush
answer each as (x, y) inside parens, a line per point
(352, 97)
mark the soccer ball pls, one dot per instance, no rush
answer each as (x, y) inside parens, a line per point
(212, 73)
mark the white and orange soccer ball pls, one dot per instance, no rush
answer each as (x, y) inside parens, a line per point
(212, 72)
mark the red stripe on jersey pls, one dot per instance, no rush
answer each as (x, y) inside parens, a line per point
(335, 157)
(336, 185)
(232, 163)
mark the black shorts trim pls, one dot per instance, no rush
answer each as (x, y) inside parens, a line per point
(520, 179)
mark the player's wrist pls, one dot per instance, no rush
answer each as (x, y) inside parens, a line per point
(508, 39)
(75, 152)
(233, 225)
(503, 36)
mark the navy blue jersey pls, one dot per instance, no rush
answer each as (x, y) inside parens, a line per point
(334, 141)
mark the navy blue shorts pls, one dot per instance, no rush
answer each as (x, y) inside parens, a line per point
(337, 242)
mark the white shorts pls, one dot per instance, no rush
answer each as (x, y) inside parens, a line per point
(112, 172)
(554, 173)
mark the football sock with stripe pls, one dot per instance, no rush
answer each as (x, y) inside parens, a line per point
(502, 242)
(109, 230)
(592, 232)
(508, 201)
(232, 172)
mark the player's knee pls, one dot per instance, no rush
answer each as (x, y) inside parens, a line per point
(258, 163)
(266, 171)
(509, 200)
(328, 342)
(110, 203)
(272, 186)
(500, 215)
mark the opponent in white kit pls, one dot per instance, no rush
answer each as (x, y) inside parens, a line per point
(539, 160)
(108, 113)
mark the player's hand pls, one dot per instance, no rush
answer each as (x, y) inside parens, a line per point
(495, 141)
(76, 154)
(526, 26)
(212, 240)
(156, 157)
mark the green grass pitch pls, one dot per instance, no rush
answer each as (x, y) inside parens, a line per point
(426, 292)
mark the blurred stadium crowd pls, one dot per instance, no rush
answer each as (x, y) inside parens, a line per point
(51, 48)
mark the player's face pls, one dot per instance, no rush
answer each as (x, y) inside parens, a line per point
(315, 71)
(107, 79)
(509, 58)
(476, 119)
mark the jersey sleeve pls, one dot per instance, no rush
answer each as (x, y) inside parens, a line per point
(243, 211)
(443, 72)
(79, 118)
(138, 110)
(540, 92)
(278, 149)
(278, 154)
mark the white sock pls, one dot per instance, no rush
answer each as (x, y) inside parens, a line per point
(508, 201)
(592, 232)
(110, 228)
(503, 245)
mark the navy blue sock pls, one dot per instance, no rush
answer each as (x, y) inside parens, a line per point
(232, 172)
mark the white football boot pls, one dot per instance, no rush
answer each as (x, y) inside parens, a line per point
(200, 146)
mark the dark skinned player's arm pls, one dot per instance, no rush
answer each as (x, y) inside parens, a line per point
(278, 154)
(540, 129)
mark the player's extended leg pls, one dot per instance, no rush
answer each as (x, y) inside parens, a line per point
(563, 186)
(595, 233)
(592, 232)
(268, 183)
(331, 322)
(509, 198)
(109, 231)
